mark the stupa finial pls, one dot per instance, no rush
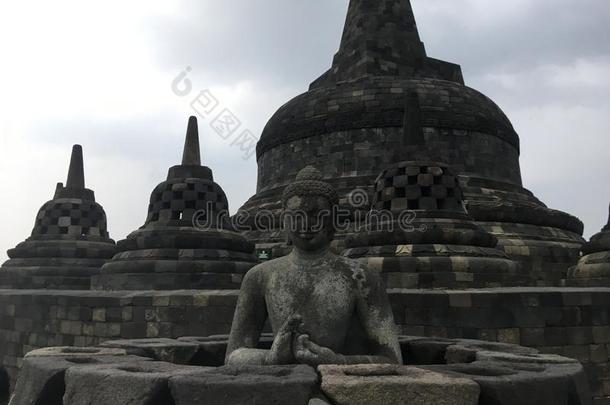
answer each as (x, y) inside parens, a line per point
(192, 155)
(377, 24)
(76, 173)
(381, 38)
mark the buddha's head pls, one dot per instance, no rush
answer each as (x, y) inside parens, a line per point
(309, 208)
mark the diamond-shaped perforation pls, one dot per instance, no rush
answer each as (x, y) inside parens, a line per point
(418, 187)
(180, 199)
(71, 218)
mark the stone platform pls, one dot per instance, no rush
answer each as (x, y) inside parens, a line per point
(439, 371)
(572, 322)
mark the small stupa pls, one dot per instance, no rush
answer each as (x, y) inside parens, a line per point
(69, 243)
(593, 269)
(418, 232)
(188, 241)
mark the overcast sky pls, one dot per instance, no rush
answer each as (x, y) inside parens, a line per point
(100, 74)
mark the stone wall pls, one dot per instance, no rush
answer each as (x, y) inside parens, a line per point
(571, 322)
(364, 153)
(34, 319)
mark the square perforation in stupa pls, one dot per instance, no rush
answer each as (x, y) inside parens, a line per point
(177, 201)
(77, 217)
(417, 188)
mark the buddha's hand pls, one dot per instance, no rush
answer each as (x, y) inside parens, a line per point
(308, 352)
(281, 351)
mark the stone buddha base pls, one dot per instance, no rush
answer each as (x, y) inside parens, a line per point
(437, 371)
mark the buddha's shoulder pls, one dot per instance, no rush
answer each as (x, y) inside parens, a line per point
(266, 268)
(356, 269)
(348, 263)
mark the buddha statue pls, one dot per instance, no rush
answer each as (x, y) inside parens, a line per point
(322, 308)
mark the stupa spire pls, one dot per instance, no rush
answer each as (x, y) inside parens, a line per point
(76, 172)
(381, 38)
(192, 155)
(381, 28)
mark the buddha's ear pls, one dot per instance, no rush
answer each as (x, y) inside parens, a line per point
(286, 230)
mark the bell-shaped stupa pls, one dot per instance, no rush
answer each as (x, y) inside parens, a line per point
(188, 241)
(593, 269)
(418, 234)
(69, 243)
(350, 126)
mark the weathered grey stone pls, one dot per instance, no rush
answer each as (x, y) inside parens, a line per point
(69, 351)
(272, 385)
(395, 385)
(524, 359)
(212, 349)
(42, 377)
(162, 349)
(4, 386)
(526, 383)
(593, 269)
(467, 351)
(318, 401)
(136, 383)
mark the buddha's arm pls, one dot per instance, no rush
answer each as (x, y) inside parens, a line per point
(248, 323)
(376, 316)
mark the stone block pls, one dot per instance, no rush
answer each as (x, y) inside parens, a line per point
(134, 383)
(506, 383)
(272, 385)
(395, 385)
(4, 385)
(77, 352)
(601, 334)
(42, 378)
(170, 350)
(532, 337)
(212, 349)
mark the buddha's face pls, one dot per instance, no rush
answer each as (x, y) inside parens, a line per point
(308, 222)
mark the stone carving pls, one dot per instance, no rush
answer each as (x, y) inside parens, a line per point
(69, 243)
(187, 241)
(593, 269)
(316, 302)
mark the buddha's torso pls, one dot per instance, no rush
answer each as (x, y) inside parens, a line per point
(322, 292)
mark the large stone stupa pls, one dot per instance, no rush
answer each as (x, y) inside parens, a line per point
(350, 126)
(69, 242)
